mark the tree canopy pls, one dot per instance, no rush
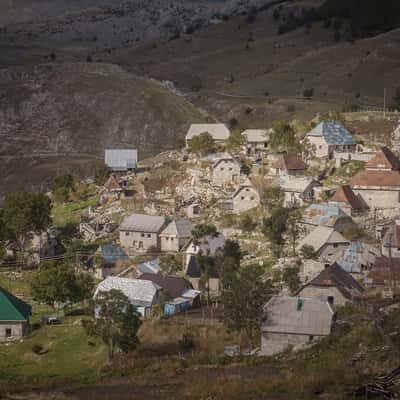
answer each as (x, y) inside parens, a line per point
(202, 144)
(284, 139)
(117, 322)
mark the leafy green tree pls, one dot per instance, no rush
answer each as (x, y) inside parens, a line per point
(202, 144)
(207, 267)
(284, 139)
(275, 227)
(294, 228)
(290, 277)
(272, 196)
(101, 175)
(117, 322)
(54, 283)
(25, 213)
(243, 301)
(230, 262)
(236, 140)
(170, 264)
(308, 252)
(62, 187)
(200, 231)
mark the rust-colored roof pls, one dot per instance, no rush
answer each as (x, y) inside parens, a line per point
(346, 195)
(290, 162)
(112, 183)
(381, 179)
(392, 236)
(335, 276)
(381, 272)
(384, 159)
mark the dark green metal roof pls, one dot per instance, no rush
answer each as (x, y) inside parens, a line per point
(12, 308)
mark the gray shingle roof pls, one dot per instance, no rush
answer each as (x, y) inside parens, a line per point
(142, 223)
(320, 236)
(333, 132)
(256, 135)
(298, 315)
(179, 228)
(121, 159)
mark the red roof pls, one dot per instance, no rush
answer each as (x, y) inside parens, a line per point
(346, 195)
(370, 178)
(289, 162)
(384, 159)
(381, 273)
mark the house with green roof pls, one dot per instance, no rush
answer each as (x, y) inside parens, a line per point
(14, 317)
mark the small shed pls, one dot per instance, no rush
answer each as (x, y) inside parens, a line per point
(121, 160)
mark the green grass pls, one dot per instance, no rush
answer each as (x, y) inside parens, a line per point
(69, 356)
(70, 213)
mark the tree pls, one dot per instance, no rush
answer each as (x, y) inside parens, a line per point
(117, 322)
(290, 277)
(207, 267)
(202, 144)
(101, 175)
(200, 231)
(54, 283)
(230, 262)
(294, 229)
(62, 187)
(243, 302)
(3, 236)
(308, 93)
(308, 252)
(274, 228)
(283, 138)
(170, 263)
(272, 196)
(236, 140)
(25, 213)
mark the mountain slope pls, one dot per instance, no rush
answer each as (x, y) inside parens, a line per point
(74, 111)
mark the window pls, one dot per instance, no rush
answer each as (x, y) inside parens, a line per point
(135, 243)
(335, 245)
(310, 338)
(172, 239)
(126, 233)
(331, 300)
(8, 332)
(242, 198)
(142, 234)
(221, 169)
(140, 245)
(149, 235)
(251, 198)
(230, 169)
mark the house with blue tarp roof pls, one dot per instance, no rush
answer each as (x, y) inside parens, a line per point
(329, 137)
(106, 258)
(358, 257)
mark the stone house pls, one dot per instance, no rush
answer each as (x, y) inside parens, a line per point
(294, 323)
(244, 199)
(114, 187)
(176, 235)
(287, 164)
(328, 244)
(334, 285)
(219, 132)
(144, 295)
(139, 232)
(297, 190)
(14, 317)
(326, 215)
(329, 137)
(256, 142)
(225, 172)
(379, 184)
(121, 160)
(351, 203)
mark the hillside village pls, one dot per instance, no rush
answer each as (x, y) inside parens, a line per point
(271, 234)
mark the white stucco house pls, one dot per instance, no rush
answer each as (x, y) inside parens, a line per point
(329, 137)
(226, 171)
(256, 141)
(176, 235)
(379, 184)
(297, 190)
(244, 199)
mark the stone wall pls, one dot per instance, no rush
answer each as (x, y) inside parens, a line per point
(380, 198)
(138, 241)
(323, 293)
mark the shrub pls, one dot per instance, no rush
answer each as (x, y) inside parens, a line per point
(187, 342)
(308, 93)
(37, 348)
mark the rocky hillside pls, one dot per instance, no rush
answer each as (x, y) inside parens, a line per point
(60, 115)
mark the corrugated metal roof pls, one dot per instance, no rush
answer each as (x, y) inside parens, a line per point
(357, 256)
(325, 215)
(151, 267)
(298, 315)
(333, 132)
(121, 159)
(112, 253)
(256, 135)
(139, 292)
(217, 131)
(142, 223)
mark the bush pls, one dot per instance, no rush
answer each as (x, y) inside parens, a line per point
(187, 342)
(308, 93)
(37, 348)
